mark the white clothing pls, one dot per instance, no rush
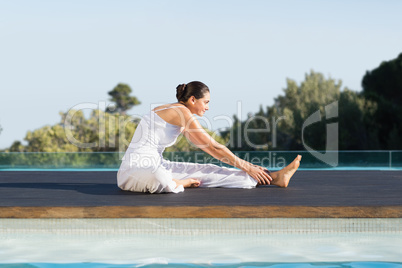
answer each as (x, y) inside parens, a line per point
(143, 168)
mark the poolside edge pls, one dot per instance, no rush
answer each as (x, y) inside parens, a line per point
(202, 212)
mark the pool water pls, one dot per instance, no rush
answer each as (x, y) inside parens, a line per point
(201, 243)
(238, 265)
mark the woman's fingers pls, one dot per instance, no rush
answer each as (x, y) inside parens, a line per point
(259, 178)
(264, 179)
(266, 171)
(267, 177)
(262, 175)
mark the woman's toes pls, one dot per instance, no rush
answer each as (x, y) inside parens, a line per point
(196, 183)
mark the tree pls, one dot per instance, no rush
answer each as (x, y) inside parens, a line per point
(383, 85)
(285, 119)
(16, 147)
(122, 99)
(299, 102)
(101, 132)
(354, 114)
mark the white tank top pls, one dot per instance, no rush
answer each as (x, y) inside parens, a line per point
(153, 135)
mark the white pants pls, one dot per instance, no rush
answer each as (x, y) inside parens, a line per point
(158, 177)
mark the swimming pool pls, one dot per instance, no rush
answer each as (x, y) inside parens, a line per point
(273, 242)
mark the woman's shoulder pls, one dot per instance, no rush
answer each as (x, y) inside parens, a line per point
(170, 106)
(174, 113)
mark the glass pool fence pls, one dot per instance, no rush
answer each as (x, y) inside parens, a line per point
(376, 160)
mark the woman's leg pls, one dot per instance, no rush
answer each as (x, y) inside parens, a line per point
(209, 175)
(282, 177)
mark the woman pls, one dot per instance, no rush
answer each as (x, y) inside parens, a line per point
(143, 168)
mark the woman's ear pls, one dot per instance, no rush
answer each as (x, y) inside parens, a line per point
(192, 99)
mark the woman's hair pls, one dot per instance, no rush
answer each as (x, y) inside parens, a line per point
(195, 88)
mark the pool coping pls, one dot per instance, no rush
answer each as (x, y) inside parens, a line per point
(201, 212)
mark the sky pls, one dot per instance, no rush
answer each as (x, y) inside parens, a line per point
(55, 55)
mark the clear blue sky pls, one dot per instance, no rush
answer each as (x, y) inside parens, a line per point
(57, 54)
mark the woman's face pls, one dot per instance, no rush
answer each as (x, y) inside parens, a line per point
(200, 106)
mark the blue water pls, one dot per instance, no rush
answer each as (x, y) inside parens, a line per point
(222, 265)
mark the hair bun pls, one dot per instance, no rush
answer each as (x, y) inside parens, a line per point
(180, 90)
(181, 87)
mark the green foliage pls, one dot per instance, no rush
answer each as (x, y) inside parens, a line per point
(101, 132)
(383, 86)
(354, 113)
(283, 122)
(299, 102)
(122, 99)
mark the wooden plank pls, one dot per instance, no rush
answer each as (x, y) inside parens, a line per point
(201, 212)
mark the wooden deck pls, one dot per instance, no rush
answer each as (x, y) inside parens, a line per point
(311, 194)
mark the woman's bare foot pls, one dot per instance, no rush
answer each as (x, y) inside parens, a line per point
(188, 183)
(282, 177)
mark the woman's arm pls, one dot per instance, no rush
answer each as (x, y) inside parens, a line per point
(195, 133)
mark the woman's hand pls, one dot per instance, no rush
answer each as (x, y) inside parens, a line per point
(260, 174)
